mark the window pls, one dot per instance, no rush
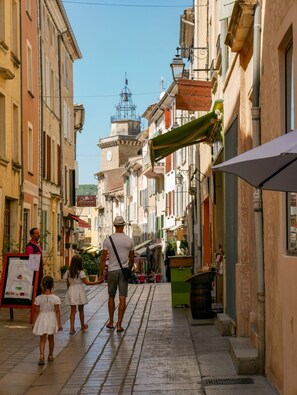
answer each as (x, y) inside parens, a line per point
(69, 129)
(291, 197)
(65, 118)
(58, 165)
(2, 21)
(30, 149)
(35, 215)
(47, 81)
(44, 154)
(6, 227)
(52, 90)
(29, 68)
(48, 157)
(66, 70)
(65, 185)
(56, 101)
(53, 162)
(15, 28)
(2, 126)
(26, 224)
(72, 196)
(15, 132)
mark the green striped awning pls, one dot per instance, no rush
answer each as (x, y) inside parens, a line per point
(203, 129)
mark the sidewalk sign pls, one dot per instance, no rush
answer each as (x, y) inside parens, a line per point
(19, 282)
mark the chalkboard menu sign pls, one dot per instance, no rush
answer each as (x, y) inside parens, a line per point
(19, 281)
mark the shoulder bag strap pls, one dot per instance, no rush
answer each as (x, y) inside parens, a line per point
(116, 253)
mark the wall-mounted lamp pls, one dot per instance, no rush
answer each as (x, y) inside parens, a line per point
(146, 210)
(179, 177)
(178, 66)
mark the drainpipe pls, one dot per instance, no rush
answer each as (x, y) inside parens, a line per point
(41, 142)
(224, 48)
(198, 213)
(257, 197)
(61, 222)
(198, 235)
(21, 240)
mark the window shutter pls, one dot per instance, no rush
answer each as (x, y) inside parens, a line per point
(168, 163)
(48, 158)
(167, 116)
(59, 165)
(44, 154)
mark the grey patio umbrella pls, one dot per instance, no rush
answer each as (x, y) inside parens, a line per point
(271, 166)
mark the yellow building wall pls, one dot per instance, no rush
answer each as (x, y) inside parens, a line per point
(10, 157)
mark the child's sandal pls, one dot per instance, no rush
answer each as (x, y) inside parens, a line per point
(41, 361)
(50, 358)
(85, 327)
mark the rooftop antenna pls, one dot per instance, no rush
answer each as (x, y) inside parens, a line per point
(162, 84)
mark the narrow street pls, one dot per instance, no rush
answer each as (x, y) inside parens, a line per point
(162, 351)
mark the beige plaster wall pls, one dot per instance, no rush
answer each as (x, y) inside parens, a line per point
(237, 104)
(280, 269)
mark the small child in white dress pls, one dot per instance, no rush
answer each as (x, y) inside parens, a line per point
(47, 320)
(76, 294)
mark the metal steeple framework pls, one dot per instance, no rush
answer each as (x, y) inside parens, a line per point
(125, 110)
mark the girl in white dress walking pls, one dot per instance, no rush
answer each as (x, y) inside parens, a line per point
(76, 294)
(47, 320)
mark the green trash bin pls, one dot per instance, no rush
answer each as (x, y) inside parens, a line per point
(180, 270)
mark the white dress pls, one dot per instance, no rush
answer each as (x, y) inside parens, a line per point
(46, 322)
(76, 294)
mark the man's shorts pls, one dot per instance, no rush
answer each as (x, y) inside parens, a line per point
(116, 279)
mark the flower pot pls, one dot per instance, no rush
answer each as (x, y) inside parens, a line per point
(92, 277)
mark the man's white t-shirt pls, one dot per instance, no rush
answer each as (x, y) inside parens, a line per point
(123, 244)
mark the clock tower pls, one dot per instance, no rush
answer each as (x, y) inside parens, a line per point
(122, 142)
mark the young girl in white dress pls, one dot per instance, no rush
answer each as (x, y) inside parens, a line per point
(47, 320)
(76, 294)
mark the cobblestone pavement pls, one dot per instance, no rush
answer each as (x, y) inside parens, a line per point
(161, 351)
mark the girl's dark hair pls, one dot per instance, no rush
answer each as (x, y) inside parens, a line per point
(47, 283)
(76, 266)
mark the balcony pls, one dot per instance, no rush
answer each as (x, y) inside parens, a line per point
(241, 21)
(149, 171)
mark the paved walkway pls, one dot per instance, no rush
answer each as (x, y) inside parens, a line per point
(162, 351)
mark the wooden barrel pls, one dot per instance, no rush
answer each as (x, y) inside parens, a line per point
(200, 301)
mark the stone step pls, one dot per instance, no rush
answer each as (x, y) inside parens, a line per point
(225, 325)
(244, 355)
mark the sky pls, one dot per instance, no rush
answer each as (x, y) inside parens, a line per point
(118, 38)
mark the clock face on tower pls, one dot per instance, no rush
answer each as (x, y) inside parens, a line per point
(109, 156)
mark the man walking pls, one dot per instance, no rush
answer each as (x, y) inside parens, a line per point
(125, 249)
(33, 247)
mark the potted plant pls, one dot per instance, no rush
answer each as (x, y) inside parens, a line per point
(63, 270)
(91, 265)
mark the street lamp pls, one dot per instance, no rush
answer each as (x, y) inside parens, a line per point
(177, 66)
(190, 173)
(179, 179)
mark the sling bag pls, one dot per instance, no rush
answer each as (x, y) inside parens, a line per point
(125, 270)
